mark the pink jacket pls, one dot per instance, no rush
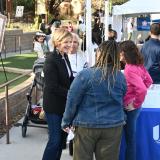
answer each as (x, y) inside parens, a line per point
(138, 80)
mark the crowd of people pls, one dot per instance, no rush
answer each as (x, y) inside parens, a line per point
(99, 102)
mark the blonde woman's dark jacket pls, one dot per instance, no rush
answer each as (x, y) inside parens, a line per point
(56, 83)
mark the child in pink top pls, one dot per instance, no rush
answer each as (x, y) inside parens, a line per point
(138, 80)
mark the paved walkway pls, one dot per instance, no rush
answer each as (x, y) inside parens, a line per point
(29, 148)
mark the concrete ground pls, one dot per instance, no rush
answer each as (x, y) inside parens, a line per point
(29, 148)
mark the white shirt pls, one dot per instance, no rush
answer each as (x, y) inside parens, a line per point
(68, 69)
(129, 27)
(39, 49)
(77, 61)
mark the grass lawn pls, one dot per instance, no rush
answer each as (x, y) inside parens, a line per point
(22, 61)
(11, 76)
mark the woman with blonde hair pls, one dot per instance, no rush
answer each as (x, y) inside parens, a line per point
(57, 79)
(77, 58)
(96, 111)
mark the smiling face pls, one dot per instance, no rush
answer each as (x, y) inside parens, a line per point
(40, 39)
(122, 58)
(74, 45)
(64, 45)
(62, 40)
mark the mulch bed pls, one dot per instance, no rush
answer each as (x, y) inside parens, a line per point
(12, 122)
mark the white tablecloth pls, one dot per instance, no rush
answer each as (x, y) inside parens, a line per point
(152, 99)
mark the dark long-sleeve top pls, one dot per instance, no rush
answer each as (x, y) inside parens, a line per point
(151, 54)
(56, 83)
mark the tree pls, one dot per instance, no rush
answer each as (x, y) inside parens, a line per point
(117, 2)
(99, 3)
(53, 6)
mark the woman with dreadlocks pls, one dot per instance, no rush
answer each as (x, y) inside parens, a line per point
(95, 107)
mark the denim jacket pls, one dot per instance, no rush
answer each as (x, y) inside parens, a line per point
(93, 102)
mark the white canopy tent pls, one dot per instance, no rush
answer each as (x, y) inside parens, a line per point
(137, 7)
(133, 8)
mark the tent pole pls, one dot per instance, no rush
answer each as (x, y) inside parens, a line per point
(88, 31)
(106, 19)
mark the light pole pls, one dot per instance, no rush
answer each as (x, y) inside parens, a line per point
(88, 31)
(106, 19)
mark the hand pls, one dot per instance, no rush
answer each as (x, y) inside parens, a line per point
(130, 107)
(122, 57)
(66, 129)
(72, 128)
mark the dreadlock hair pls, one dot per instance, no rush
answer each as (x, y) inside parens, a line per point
(108, 58)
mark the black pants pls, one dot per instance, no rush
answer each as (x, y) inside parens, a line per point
(71, 147)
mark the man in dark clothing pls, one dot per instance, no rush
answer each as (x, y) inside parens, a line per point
(45, 28)
(55, 21)
(151, 53)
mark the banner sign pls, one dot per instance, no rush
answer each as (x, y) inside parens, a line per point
(19, 11)
(143, 23)
(3, 20)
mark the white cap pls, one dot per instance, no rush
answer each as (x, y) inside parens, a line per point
(40, 34)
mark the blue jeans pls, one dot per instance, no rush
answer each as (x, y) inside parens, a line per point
(130, 134)
(53, 149)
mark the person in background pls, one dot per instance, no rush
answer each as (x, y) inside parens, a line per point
(148, 37)
(78, 62)
(56, 20)
(151, 53)
(96, 40)
(70, 27)
(138, 81)
(42, 26)
(40, 44)
(57, 79)
(96, 34)
(45, 28)
(112, 35)
(97, 120)
(139, 39)
(54, 27)
(77, 58)
(96, 16)
(81, 29)
(81, 18)
(130, 27)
